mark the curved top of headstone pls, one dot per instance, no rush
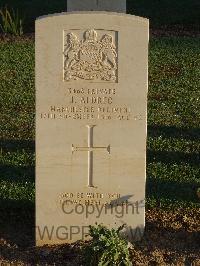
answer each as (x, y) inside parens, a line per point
(92, 13)
(97, 5)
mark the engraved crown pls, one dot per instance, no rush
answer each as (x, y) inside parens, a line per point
(91, 35)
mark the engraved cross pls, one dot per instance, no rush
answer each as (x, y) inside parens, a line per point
(90, 149)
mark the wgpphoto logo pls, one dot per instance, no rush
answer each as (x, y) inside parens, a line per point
(118, 211)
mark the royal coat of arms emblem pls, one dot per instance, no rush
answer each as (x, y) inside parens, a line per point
(90, 59)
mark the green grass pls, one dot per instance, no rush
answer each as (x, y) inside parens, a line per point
(163, 12)
(173, 162)
(17, 124)
(173, 158)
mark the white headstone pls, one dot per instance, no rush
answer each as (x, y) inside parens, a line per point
(91, 102)
(97, 5)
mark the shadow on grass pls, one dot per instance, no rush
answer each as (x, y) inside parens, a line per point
(17, 216)
(17, 173)
(172, 191)
(17, 222)
(172, 157)
(15, 145)
(9, 172)
(173, 132)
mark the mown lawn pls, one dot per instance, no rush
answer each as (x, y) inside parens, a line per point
(17, 123)
(173, 165)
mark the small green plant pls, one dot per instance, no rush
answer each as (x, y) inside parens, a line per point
(11, 22)
(107, 247)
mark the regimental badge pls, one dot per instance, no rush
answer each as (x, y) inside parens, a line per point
(92, 58)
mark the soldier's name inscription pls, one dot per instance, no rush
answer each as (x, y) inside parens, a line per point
(90, 103)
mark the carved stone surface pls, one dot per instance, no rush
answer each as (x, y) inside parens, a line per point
(92, 57)
(91, 102)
